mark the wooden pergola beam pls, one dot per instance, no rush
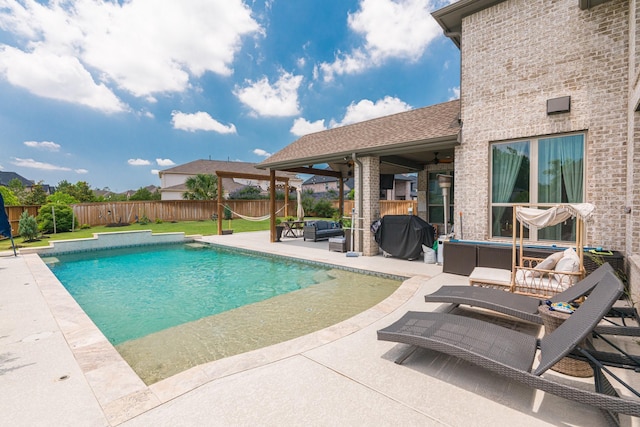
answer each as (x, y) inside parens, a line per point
(313, 171)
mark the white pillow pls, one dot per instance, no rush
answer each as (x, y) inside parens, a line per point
(548, 263)
(570, 263)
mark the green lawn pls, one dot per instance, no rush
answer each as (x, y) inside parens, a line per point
(188, 227)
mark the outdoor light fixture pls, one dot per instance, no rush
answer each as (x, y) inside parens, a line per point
(444, 182)
(559, 105)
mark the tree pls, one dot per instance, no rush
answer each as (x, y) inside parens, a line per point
(308, 200)
(61, 198)
(201, 187)
(351, 194)
(144, 194)
(83, 192)
(10, 199)
(64, 219)
(247, 193)
(17, 188)
(27, 227)
(36, 196)
(79, 191)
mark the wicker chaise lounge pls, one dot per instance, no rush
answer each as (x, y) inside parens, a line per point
(526, 307)
(512, 354)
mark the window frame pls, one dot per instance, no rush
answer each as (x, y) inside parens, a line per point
(532, 235)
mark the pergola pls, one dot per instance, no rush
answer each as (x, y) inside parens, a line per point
(272, 191)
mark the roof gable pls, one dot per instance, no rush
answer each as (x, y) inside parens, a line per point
(6, 177)
(434, 123)
(212, 166)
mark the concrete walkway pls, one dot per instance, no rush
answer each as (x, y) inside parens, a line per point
(56, 368)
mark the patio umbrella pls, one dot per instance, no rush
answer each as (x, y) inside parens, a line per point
(5, 226)
(300, 211)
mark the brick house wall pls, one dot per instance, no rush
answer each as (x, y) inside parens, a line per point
(515, 56)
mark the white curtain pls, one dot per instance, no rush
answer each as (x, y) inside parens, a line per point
(560, 162)
(507, 160)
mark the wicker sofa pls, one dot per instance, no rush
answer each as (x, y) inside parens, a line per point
(320, 230)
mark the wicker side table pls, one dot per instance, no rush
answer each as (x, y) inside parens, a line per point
(338, 244)
(568, 366)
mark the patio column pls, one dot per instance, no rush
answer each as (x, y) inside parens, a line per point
(370, 204)
(272, 206)
(423, 189)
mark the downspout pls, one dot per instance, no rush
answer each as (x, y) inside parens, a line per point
(359, 201)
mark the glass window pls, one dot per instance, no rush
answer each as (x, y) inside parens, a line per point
(545, 171)
(436, 202)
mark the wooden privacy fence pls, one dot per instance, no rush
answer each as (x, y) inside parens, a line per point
(171, 210)
(387, 207)
(14, 213)
(188, 210)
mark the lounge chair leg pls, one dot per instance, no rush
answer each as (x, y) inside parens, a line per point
(404, 356)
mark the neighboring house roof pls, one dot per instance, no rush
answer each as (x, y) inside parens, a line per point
(211, 166)
(6, 177)
(320, 179)
(405, 139)
(450, 17)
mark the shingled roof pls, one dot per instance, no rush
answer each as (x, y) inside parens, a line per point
(212, 166)
(389, 135)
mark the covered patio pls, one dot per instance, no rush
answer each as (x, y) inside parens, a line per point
(401, 143)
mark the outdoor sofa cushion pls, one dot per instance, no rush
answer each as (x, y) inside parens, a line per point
(320, 230)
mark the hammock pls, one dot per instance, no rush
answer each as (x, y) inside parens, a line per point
(252, 218)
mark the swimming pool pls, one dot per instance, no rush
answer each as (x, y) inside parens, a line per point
(168, 308)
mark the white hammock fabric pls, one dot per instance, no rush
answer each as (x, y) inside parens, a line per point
(253, 218)
(555, 215)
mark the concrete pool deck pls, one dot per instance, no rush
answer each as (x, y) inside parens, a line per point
(56, 368)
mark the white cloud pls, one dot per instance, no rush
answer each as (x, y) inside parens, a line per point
(81, 171)
(277, 100)
(144, 47)
(303, 127)
(165, 162)
(199, 121)
(138, 162)
(34, 164)
(261, 152)
(391, 29)
(60, 77)
(455, 91)
(155, 172)
(366, 110)
(45, 145)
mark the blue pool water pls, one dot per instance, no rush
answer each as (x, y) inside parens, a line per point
(130, 293)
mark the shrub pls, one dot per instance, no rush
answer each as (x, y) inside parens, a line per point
(64, 219)
(323, 208)
(85, 226)
(28, 227)
(159, 221)
(227, 212)
(144, 220)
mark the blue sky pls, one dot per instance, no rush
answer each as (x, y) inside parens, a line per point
(111, 92)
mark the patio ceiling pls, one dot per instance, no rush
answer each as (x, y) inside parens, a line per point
(405, 142)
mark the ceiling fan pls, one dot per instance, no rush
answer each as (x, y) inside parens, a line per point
(436, 160)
